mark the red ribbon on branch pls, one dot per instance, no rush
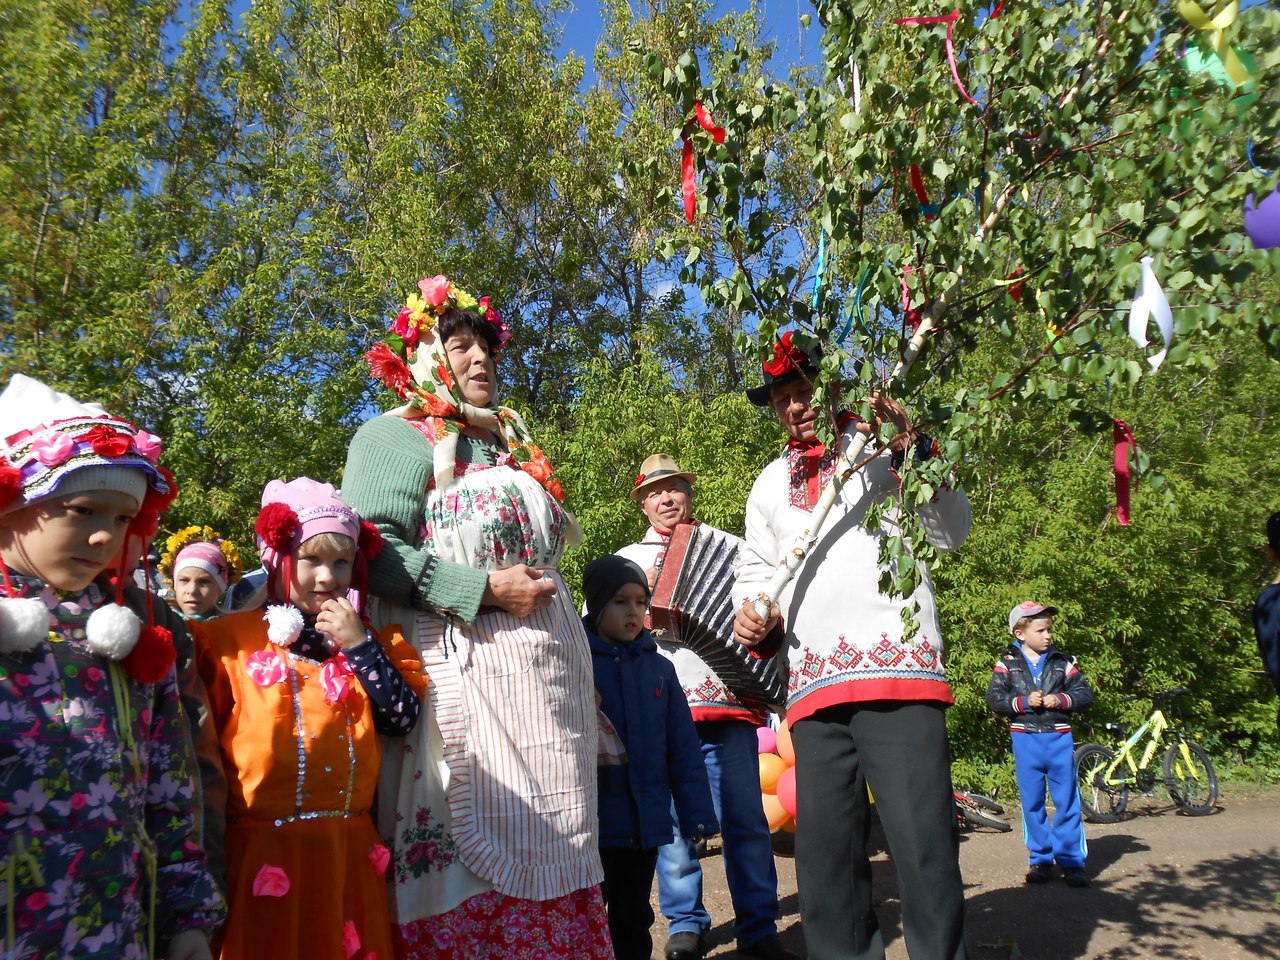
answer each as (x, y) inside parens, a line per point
(911, 314)
(688, 181)
(950, 20)
(1123, 435)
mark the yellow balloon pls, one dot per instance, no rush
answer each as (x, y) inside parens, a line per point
(773, 811)
(786, 750)
(771, 767)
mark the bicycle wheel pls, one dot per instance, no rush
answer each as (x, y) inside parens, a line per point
(972, 815)
(1193, 785)
(1101, 802)
(981, 802)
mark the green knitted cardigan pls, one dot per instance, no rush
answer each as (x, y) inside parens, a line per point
(389, 465)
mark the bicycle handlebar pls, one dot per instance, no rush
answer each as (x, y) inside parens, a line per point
(1159, 695)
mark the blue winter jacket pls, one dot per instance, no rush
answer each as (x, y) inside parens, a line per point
(643, 700)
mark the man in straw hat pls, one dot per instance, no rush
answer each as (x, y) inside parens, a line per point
(866, 706)
(727, 730)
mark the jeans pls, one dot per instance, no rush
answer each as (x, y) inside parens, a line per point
(729, 750)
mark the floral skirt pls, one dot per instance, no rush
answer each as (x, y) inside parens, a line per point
(494, 926)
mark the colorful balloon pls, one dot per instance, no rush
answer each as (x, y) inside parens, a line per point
(1261, 223)
(771, 768)
(786, 790)
(786, 750)
(773, 811)
(766, 740)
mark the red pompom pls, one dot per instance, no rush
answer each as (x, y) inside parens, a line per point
(145, 525)
(370, 540)
(277, 523)
(157, 502)
(786, 358)
(153, 656)
(10, 484)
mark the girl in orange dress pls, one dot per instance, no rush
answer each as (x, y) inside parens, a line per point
(300, 696)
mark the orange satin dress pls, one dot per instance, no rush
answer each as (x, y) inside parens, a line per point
(305, 865)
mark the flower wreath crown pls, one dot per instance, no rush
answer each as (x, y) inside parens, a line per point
(417, 321)
(189, 535)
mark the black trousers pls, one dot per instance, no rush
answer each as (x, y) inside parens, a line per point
(628, 881)
(901, 751)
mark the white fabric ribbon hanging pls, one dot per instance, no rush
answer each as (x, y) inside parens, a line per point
(1151, 302)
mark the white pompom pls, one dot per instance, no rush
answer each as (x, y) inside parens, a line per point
(112, 631)
(24, 622)
(284, 623)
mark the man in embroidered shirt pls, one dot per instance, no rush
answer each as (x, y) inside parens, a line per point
(866, 707)
(727, 730)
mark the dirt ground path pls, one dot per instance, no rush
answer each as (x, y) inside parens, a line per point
(1165, 886)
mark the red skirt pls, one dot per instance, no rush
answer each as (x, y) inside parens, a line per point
(493, 926)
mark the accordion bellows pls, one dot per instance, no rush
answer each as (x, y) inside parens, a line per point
(693, 604)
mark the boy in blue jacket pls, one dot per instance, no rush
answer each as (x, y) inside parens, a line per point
(1040, 687)
(641, 697)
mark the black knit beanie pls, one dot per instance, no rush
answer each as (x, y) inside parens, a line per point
(603, 577)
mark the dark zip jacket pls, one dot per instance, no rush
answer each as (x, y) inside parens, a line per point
(1011, 684)
(642, 699)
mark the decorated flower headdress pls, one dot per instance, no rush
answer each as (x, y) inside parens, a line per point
(56, 446)
(412, 362)
(292, 513)
(202, 548)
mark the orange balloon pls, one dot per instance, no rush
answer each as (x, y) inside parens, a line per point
(786, 750)
(789, 826)
(771, 768)
(785, 790)
(773, 811)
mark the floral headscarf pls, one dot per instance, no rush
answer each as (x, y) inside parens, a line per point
(412, 362)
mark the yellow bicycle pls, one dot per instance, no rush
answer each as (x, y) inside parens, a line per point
(1106, 776)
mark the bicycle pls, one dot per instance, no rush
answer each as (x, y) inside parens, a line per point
(1106, 776)
(973, 810)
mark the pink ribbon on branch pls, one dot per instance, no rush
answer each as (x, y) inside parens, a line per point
(688, 181)
(950, 20)
(1124, 442)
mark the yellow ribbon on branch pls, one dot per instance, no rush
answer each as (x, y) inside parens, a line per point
(1195, 15)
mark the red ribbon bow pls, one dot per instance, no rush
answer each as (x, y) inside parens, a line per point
(688, 184)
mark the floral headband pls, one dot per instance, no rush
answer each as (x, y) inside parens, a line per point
(191, 536)
(414, 328)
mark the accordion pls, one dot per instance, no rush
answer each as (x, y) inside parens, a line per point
(693, 604)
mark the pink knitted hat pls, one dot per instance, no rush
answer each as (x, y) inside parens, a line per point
(207, 557)
(294, 512)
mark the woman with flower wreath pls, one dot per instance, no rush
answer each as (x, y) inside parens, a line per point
(489, 808)
(197, 568)
(99, 811)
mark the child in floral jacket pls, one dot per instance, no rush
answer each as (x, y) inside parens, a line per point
(98, 805)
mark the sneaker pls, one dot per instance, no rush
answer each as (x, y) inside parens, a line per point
(768, 948)
(1075, 877)
(684, 945)
(1040, 873)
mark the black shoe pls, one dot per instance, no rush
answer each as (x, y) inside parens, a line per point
(1075, 877)
(1040, 873)
(769, 948)
(684, 946)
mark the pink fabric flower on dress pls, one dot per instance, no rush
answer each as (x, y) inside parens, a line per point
(266, 667)
(435, 290)
(350, 939)
(380, 857)
(52, 447)
(335, 677)
(270, 882)
(148, 444)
